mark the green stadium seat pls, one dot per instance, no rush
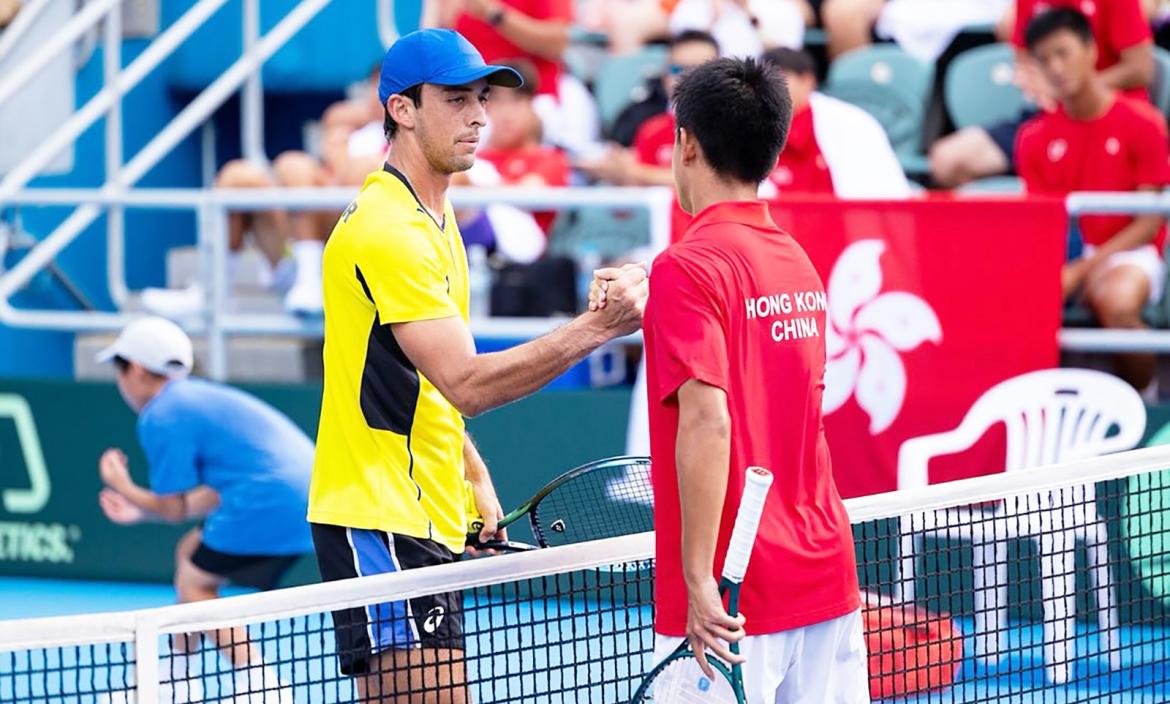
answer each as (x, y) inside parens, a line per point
(621, 79)
(979, 90)
(892, 86)
(993, 184)
(1160, 88)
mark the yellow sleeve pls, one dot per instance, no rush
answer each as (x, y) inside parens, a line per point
(405, 277)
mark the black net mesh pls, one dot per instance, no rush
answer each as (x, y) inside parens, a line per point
(1055, 596)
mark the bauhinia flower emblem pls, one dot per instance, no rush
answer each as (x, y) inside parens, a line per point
(866, 333)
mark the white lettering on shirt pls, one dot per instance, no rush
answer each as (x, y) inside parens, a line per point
(785, 304)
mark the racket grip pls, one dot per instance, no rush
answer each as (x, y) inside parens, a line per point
(747, 522)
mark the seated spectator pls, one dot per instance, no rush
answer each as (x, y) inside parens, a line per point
(1125, 62)
(292, 242)
(743, 27)
(648, 162)
(922, 27)
(538, 31)
(513, 156)
(629, 24)
(1097, 139)
(833, 147)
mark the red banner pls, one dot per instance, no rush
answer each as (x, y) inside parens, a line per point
(931, 303)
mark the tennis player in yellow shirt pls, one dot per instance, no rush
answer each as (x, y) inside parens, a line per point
(395, 474)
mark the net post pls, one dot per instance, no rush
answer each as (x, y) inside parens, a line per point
(146, 635)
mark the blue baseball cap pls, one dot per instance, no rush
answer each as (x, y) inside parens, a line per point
(439, 56)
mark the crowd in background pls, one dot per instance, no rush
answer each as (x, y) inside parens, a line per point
(556, 130)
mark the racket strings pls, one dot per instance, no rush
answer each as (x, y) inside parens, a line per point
(683, 682)
(606, 502)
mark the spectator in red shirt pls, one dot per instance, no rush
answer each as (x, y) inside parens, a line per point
(513, 145)
(833, 147)
(736, 363)
(537, 31)
(647, 162)
(512, 156)
(1097, 139)
(1125, 61)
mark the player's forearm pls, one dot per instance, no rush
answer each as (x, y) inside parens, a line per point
(702, 454)
(474, 468)
(1135, 69)
(159, 509)
(544, 38)
(1138, 233)
(498, 378)
(646, 175)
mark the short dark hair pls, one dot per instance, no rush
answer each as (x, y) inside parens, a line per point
(389, 126)
(739, 110)
(792, 60)
(1055, 20)
(694, 35)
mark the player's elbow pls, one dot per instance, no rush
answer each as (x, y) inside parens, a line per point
(469, 406)
(466, 398)
(708, 421)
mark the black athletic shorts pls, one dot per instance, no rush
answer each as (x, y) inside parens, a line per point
(1004, 135)
(434, 621)
(263, 572)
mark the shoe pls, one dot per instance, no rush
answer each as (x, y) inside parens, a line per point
(174, 302)
(305, 298)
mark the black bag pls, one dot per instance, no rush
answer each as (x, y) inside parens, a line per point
(544, 288)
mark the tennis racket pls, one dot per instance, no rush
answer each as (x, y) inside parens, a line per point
(678, 678)
(602, 499)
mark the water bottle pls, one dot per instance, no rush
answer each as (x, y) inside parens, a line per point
(479, 281)
(589, 259)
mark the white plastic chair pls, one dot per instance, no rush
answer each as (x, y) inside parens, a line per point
(1051, 416)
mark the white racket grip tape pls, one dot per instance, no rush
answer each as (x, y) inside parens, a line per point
(747, 522)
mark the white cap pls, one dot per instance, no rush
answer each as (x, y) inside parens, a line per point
(155, 343)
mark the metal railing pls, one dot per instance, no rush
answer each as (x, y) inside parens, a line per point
(212, 207)
(1098, 340)
(244, 75)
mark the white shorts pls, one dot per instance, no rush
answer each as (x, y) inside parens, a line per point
(825, 663)
(1145, 258)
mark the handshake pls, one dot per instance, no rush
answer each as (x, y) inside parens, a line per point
(617, 297)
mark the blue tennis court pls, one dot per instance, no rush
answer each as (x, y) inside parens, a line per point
(552, 643)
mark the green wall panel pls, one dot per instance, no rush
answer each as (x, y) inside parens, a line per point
(64, 534)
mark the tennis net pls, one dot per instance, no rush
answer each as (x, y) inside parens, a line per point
(1048, 585)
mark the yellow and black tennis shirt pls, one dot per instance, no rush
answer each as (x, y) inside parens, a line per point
(390, 446)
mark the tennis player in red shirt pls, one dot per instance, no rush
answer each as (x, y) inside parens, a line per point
(734, 334)
(1098, 140)
(1125, 59)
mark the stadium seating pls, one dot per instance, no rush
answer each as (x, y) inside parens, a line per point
(979, 88)
(1160, 88)
(999, 185)
(892, 86)
(622, 78)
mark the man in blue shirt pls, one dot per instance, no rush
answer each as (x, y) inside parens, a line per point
(218, 454)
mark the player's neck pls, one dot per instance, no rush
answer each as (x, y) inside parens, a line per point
(429, 186)
(1091, 102)
(714, 190)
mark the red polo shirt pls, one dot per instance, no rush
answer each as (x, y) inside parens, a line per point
(802, 166)
(1122, 150)
(736, 304)
(495, 47)
(1117, 26)
(550, 164)
(654, 145)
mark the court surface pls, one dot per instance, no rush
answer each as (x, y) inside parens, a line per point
(1145, 651)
